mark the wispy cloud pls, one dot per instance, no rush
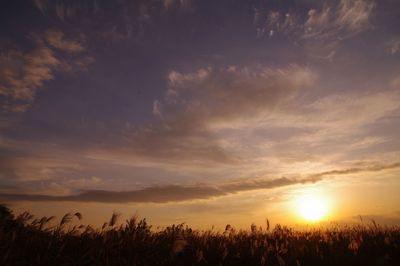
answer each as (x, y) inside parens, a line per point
(196, 104)
(355, 15)
(323, 27)
(231, 92)
(41, 4)
(66, 9)
(242, 121)
(339, 22)
(318, 23)
(24, 72)
(347, 17)
(182, 5)
(393, 46)
(57, 40)
(22, 165)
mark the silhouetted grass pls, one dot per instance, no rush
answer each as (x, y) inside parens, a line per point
(25, 240)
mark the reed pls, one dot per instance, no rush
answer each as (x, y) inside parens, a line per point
(25, 240)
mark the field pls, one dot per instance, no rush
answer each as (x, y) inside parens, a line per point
(26, 240)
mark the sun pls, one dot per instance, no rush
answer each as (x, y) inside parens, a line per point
(312, 208)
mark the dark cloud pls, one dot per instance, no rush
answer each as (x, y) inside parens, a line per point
(173, 193)
(355, 170)
(158, 194)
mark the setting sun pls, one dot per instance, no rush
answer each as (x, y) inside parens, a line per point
(312, 208)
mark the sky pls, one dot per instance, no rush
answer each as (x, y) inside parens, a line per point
(199, 111)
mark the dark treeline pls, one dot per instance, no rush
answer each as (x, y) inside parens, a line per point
(26, 240)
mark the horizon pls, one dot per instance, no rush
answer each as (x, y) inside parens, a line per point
(202, 112)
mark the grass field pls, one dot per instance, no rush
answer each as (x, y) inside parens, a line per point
(26, 240)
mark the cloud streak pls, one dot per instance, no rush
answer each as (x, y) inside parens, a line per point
(176, 193)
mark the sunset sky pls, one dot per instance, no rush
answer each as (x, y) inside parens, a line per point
(201, 111)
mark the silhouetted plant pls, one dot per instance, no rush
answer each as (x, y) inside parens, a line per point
(25, 240)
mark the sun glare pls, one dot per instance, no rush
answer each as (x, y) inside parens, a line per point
(312, 208)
